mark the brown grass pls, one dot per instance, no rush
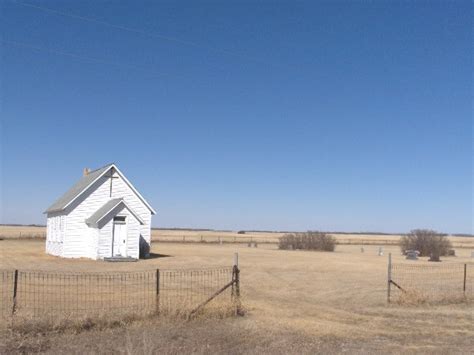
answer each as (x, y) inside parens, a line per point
(171, 235)
(296, 302)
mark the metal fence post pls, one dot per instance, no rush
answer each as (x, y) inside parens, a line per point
(389, 276)
(464, 283)
(157, 294)
(15, 288)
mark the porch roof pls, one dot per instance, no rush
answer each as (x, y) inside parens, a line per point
(108, 207)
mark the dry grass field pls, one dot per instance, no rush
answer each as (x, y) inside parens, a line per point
(211, 236)
(295, 301)
(7, 231)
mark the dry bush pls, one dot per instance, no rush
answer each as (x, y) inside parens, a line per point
(427, 242)
(307, 241)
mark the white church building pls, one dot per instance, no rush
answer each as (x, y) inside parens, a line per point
(101, 216)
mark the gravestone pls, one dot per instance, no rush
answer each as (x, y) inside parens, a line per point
(451, 252)
(362, 250)
(380, 251)
(412, 254)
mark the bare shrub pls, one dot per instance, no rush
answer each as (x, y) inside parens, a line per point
(427, 242)
(311, 240)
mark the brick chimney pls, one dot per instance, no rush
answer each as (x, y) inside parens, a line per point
(86, 172)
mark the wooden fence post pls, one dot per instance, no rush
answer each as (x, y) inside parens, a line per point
(15, 288)
(236, 285)
(157, 295)
(389, 276)
(464, 283)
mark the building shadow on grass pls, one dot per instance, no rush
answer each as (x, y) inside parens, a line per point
(156, 256)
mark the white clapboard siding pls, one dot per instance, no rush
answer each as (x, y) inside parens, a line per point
(120, 189)
(105, 240)
(79, 239)
(55, 232)
(94, 243)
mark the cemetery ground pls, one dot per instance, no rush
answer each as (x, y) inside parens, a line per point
(295, 302)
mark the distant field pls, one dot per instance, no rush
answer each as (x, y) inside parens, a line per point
(22, 231)
(172, 235)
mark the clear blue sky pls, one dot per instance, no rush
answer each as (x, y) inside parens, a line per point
(353, 116)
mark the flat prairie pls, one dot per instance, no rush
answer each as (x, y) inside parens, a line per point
(295, 302)
(214, 236)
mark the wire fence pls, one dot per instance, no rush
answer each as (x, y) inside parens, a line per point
(192, 239)
(42, 294)
(22, 235)
(251, 240)
(427, 283)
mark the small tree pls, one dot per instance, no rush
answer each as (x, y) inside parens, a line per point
(307, 241)
(426, 241)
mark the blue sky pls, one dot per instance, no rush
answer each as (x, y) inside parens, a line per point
(351, 116)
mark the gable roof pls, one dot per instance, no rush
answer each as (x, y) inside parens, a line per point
(109, 206)
(84, 183)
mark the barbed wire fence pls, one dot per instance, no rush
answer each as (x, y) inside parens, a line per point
(40, 294)
(418, 283)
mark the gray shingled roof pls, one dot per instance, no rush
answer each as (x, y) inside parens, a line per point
(109, 206)
(77, 189)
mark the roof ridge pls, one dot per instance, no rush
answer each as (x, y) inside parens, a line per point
(102, 167)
